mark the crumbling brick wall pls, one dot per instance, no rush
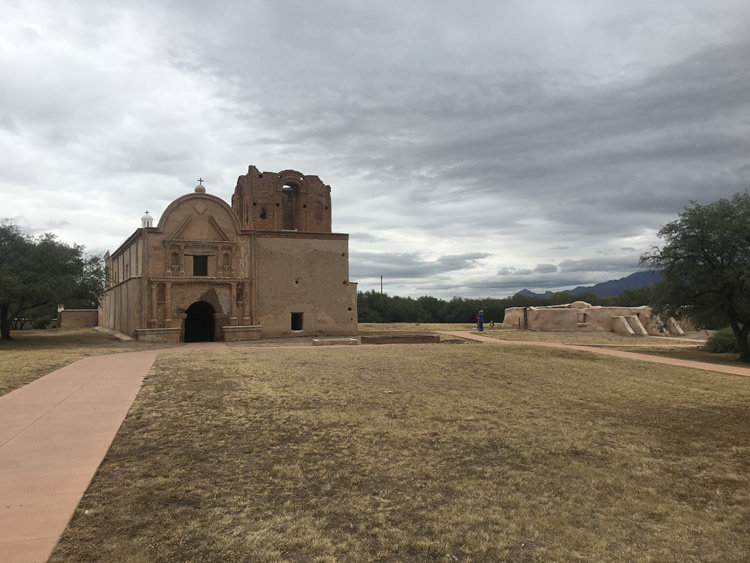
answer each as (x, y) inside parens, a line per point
(283, 201)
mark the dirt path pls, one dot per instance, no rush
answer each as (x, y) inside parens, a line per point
(54, 433)
(732, 370)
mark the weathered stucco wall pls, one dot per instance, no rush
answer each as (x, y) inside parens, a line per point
(307, 275)
(579, 317)
(121, 307)
(78, 318)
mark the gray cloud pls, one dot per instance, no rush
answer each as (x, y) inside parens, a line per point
(470, 147)
(364, 265)
(603, 264)
(545, 269)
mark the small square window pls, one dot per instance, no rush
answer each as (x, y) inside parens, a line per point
(200, 265)
(296, 321)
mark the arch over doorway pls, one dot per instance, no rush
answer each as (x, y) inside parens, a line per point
(199, 323)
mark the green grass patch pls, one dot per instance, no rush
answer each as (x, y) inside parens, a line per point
(722, 341)
(422, 452)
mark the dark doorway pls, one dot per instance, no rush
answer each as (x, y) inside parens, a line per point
(199, 323)
(296, 321)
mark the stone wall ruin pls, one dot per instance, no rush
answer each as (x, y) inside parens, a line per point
(580, 316)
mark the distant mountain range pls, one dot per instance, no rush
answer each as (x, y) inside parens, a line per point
(611, 288)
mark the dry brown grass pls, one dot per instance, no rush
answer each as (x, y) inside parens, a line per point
(691, 353)
(606, 339)
(377, 329)
(34, 353)
(678, 348)
(422, 452)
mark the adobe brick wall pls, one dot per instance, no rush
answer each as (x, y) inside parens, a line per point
(79, 318)
(402, 339)
(307, 275)
(282, 201)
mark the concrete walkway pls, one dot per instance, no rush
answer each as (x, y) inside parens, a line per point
(732, 370)
(54, 433)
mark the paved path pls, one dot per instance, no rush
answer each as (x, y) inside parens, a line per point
(732, 370)
(54, 433)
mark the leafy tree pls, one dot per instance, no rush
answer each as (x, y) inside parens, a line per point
(635, 297)
(721, 341)
(372, 307)
(587, 296)
(705, 263)
(41, 271)
(367, 315)
(405, 310)
(559, 298)
(460, 310)
(434, 309)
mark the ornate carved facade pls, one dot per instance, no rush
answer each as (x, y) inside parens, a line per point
(268, 266)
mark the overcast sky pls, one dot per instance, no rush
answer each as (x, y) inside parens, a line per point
(473, 148)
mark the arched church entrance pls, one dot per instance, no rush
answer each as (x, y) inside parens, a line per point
(199, 323)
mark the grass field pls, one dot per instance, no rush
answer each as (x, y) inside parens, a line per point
(419, 453)
(677, 348)
(34, 353)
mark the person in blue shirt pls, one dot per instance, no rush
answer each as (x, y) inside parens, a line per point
(480, 320)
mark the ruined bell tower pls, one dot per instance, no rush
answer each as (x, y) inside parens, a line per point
(283, 201)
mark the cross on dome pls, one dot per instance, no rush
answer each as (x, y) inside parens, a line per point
(200, 188)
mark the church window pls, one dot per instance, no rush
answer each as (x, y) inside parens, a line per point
(200, 265)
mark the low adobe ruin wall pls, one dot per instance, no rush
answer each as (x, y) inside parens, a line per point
(584, 317)
(78, 318)
(401, 339)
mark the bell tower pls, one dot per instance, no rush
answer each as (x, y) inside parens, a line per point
(282, 201)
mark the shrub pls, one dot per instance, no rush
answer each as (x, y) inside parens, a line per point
(721, 341)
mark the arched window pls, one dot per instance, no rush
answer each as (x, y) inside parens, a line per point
(290, 192)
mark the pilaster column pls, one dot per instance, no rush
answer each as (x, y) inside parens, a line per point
(233, 304)
(168, 302)
(154, 313)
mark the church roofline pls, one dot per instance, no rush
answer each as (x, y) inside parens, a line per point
(297, 234)
(129, 241)
(196, 195)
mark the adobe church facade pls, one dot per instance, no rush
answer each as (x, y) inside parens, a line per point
(268, 266)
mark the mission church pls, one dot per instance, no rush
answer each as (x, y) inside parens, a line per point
(268, 266)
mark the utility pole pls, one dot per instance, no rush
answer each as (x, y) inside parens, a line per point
(381, 285)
